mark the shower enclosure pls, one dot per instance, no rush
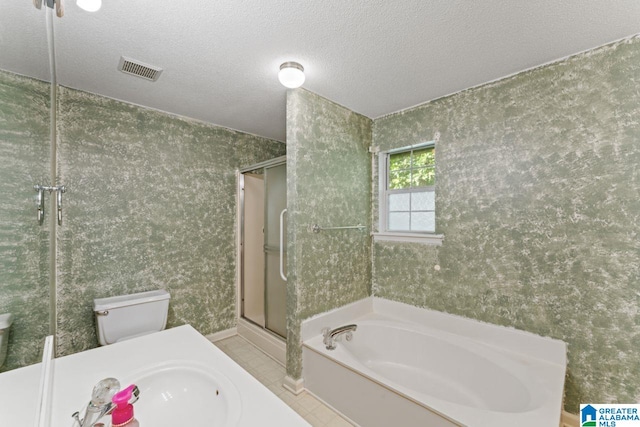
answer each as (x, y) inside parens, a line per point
(263, 202)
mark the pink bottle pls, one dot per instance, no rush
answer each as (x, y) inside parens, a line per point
(123, 413)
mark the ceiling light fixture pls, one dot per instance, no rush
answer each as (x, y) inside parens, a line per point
(291, 75)
(89, 5)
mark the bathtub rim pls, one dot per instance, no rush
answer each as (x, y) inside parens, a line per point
(524, 343)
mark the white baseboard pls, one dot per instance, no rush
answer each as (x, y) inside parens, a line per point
(272, 346)
(294, 386)
(220, 335)
(569, 420)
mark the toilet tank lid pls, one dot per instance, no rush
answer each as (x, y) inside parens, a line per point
(101, 304)
(6, 320)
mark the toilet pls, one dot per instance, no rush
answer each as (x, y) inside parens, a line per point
(5, 324)
(129, 316)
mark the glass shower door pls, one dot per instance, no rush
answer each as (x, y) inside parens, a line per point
(275, 286)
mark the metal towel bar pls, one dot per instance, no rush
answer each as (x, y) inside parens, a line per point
(316, 228)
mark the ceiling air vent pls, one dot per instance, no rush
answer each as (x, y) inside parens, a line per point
(140, 69)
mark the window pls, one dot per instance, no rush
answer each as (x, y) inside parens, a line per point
(407, 192)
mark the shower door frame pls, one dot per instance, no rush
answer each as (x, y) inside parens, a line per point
(268, 341)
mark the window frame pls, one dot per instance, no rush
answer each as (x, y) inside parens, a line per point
(426, 237)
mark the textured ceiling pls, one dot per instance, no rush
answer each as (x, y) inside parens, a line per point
(23, 40)
(220, 57)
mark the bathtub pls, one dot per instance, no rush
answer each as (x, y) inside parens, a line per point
(408, 366)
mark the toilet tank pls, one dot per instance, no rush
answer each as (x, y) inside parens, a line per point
(5, 324)
(128, 316)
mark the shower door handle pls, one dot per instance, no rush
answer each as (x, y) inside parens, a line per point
(282, 245)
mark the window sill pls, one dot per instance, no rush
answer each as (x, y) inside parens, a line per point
(425, 239)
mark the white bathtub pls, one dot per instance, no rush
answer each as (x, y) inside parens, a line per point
(407, 366)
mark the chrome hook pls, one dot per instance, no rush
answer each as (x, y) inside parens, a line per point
(40, 200)
(40, 203)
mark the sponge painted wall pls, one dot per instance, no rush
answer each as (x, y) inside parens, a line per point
(150, 203)
(328, 183)
(538, 197)
(24, 245)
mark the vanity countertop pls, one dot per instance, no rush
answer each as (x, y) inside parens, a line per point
(183, 347)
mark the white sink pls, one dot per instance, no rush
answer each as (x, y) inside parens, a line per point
(178, 393)
(178, 372)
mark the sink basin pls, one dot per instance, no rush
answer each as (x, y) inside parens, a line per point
(182, 393)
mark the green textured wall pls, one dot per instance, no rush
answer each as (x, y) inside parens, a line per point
(328, 183)
(24, 245)
(151, 203)
(538, 197)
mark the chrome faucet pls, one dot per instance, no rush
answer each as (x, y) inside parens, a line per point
(331, 336)
(100, 404)
(92, 415)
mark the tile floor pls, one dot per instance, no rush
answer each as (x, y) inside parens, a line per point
(270, 373)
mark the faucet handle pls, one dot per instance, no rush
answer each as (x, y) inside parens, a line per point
(100, 403)
(326, 331)
(104, 391)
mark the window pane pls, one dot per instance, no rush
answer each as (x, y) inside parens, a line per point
(424, 157)
(399, 202)
(424, 177)
(413, 209)
(422, 201)
(400, 161)
(399, 179)
(399, 221)
(423, 221)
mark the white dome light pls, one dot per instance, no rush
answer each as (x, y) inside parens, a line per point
(89, 5)
(291, 75)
